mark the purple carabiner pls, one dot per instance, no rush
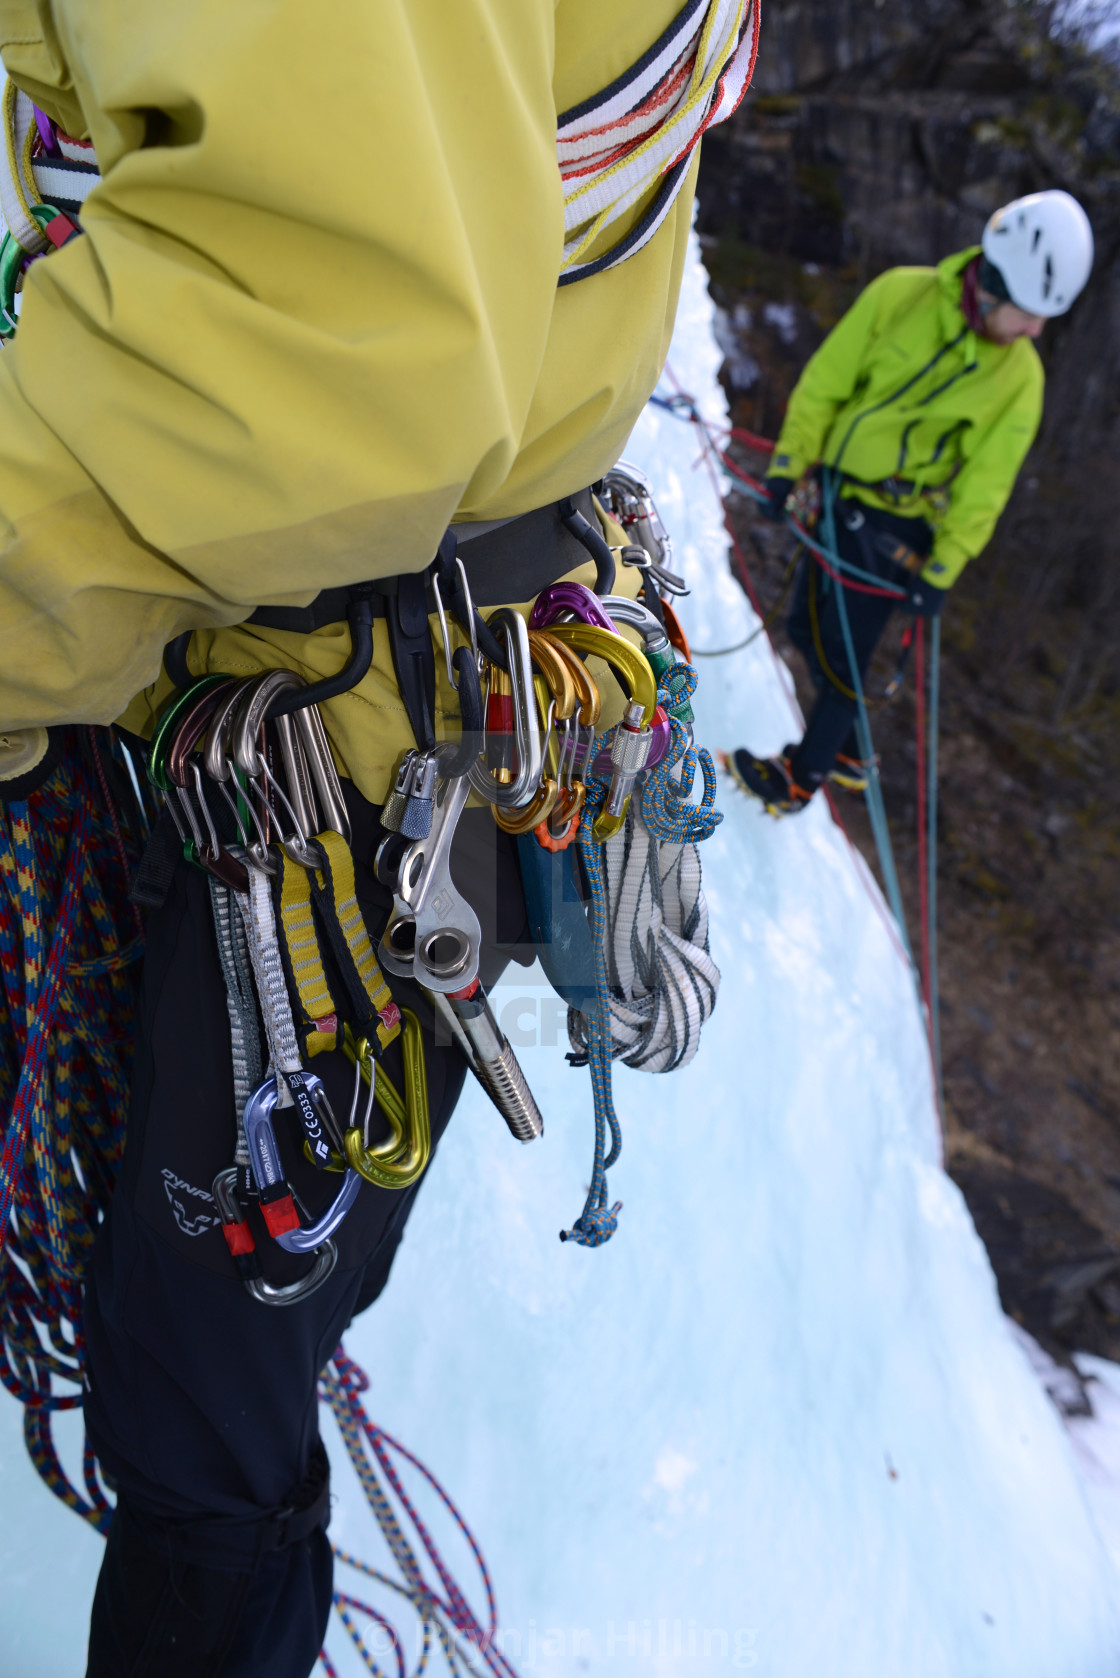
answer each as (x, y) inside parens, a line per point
(568, 597)
(268, 1171)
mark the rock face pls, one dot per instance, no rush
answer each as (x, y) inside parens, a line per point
(877, 135)
(881, 134)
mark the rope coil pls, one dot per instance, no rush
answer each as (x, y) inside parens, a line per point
(656, 983)
(66, 1013)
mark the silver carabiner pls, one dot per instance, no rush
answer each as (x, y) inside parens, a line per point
(526, 724)
(268, 1169)
(332, 805)
(224, 1190)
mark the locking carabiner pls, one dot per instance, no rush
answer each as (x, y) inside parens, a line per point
(634, 740)
(243, 1250)
(277, 1202)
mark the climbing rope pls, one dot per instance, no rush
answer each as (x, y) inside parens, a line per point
(69, 943)
(655, 982)
(445, 1614)
(69, 940)
(876, 809)
(846, 577)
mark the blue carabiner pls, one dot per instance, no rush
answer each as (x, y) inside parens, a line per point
(277, 1205)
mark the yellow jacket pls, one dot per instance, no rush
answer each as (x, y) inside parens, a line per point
(313, 319)
(922, 416)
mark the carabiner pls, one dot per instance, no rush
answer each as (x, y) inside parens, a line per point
(209, 852)
(633, 739)
(277, 1203)
(243, 1250)
(659, 651)
(218, 760)
(246, 739)
(410, 1118)
(628, 491)
(527, 732)
(172, 714)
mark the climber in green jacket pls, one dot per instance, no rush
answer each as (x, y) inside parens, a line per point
(922, 403)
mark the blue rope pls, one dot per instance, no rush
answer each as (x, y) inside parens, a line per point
(931, 848)
(844, 566)
(875, 806)
(598, 1220)
(671, 819)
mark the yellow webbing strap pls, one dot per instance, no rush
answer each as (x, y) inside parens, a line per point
(299, 941)
(337, 900)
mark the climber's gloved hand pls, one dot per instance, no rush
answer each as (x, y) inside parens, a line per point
(925, 600)
(778, 491)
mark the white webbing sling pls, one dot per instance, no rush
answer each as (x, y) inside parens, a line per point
(29, 177)
(643, 128)
(663, 980)
(612, 150)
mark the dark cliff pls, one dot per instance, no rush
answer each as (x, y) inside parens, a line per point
(880, 134)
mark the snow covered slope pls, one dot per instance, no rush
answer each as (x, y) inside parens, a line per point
(778, 1423)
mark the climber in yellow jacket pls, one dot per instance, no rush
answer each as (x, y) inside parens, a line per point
(921, 404)
(344, 280)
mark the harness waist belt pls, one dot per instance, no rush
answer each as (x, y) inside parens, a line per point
(511, 560)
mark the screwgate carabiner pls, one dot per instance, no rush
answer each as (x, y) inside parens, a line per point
(239, 1240)
(277, 1203)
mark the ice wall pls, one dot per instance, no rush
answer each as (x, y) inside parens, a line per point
(778, 1423)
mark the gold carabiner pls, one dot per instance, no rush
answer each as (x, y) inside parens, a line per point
(632, 665)
(397, 1162)
(588, 697)
(411, 1116)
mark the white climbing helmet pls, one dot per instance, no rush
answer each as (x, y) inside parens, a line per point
(1043, 248)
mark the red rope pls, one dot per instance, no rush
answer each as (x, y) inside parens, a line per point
(752, 440)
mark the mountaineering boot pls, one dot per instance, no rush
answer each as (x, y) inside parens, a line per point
(851, 773)
(768, 778)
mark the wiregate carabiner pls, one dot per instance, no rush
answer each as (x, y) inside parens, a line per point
(277, 1202)
(218, 761)
(633, 738)
(556, 699)
(209, 850)
(172, 714)
(243, 1250)
(388, 1164)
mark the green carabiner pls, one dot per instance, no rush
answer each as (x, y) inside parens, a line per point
(160, 743)
(397, 1163)
(12, 258)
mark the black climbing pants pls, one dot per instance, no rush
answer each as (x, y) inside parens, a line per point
(862, 535)
(201, 1403)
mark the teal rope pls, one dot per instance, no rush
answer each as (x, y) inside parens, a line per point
(671, 819)
(598, 1220)
(931, 849)
(875, 806)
